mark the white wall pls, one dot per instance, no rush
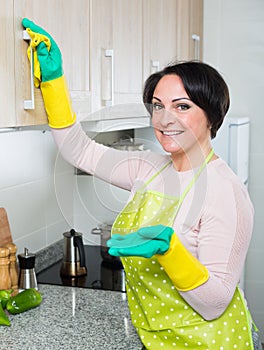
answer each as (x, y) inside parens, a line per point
(32, 179)
(96, 203)
(234, 44)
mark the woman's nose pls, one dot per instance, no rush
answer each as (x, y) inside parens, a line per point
(167, 118)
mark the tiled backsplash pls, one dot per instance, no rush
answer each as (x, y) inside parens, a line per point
(32, 178)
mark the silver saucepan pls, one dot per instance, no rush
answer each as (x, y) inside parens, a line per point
(104, 230)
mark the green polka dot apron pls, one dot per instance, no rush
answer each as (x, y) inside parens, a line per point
(160, 315)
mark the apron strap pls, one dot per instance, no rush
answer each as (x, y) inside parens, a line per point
(193, 180)
(158, 172)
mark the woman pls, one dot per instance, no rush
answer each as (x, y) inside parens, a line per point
(184, 234)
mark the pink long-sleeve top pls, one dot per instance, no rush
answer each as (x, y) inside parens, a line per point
(214, 222)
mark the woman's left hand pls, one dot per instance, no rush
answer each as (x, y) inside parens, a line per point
(145, 242)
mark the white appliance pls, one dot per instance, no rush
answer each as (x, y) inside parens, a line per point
(231, 144)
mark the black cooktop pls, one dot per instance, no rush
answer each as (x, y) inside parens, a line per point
(101, 273)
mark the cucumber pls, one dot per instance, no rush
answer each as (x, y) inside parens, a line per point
(26, 300)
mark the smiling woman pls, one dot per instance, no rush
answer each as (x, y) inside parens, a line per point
(187, 109)
(184, 234)
(201, 83)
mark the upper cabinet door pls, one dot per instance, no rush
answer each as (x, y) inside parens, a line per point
(116, 52)
(160, 34)
(172, 32)
(68, 23)
(102, 53)
(196, 29)
(190, 29)
(128, 45)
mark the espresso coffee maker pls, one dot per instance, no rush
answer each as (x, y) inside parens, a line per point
(73, 263)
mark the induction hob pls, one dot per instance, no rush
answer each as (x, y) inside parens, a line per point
(101, 274)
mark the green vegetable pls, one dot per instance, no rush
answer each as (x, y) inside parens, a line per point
(26, 300)
(5, 296)
(4, 320)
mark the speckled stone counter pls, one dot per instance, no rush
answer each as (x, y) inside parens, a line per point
(73, 318)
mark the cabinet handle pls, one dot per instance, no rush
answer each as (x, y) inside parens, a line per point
(30, 104)
(155, 66)
(196, 39)
(110, 53)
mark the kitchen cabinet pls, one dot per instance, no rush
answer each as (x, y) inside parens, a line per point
(57, 17)
(172, 32)
(116, 52)
(7, 59)
(190, 29)
(136, 39)
(160, 31)
(109, 48)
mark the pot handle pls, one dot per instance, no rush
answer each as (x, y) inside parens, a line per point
(96, 231)
(78, 242)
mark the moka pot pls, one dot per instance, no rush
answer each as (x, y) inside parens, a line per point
(73, 263)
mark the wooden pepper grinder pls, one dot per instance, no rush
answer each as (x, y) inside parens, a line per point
(13, 268)
(5, 280)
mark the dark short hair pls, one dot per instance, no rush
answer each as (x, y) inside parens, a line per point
(204, 86)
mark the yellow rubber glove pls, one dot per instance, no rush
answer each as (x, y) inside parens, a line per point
(184, 270)
(48, 74)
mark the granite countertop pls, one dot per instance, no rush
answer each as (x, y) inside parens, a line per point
(73, 318)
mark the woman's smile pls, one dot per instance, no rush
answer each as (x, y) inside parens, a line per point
(172, 133)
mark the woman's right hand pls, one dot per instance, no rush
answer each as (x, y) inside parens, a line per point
(47, 55)
(48, 74)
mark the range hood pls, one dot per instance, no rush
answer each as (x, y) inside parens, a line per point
(117, 117)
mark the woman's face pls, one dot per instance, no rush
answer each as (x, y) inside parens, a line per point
(180, 125)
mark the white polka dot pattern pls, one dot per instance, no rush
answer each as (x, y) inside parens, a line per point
(161, 316)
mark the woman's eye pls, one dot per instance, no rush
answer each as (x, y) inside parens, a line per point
(183, 106)
(157, 107)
